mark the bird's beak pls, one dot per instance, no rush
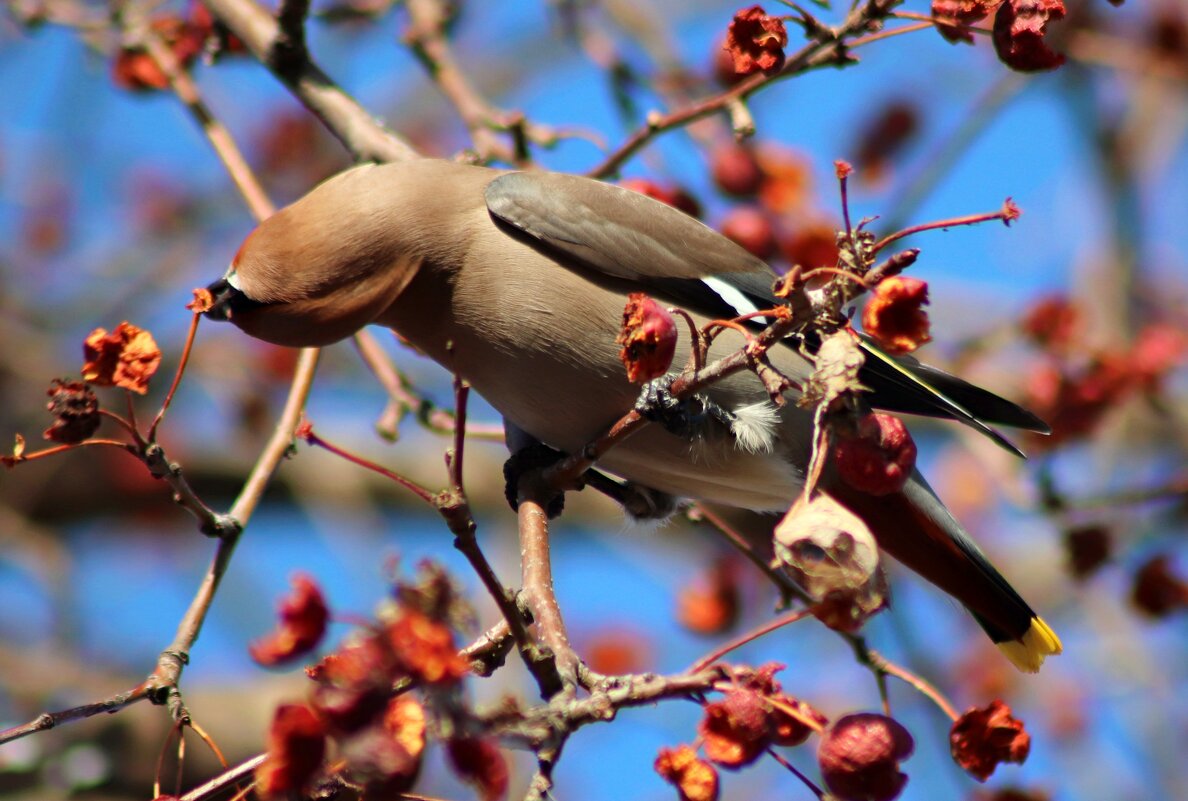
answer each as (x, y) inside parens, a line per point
(228, 300)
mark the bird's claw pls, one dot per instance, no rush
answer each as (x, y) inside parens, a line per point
(685, 417)
(537, 456)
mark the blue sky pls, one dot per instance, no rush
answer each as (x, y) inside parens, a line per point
(62, 121)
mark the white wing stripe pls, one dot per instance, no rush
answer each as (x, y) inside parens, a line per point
(731, 296)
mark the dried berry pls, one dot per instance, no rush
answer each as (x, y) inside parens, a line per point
(648, 338)
(618, 650)
(379, 762)
(791, 721)
(956, 15)
(355, 665)
(1157, 590)
(756, 41)
(1052, 322)
(127, 357)
(736, 169)
(202, 301)
(787, 179)
(1019, 30)
(348, 709)
(877, 458)
(1088, 548)
(135, 69)
(1074, 402)
(296, 747)
(710, 605)
(480, 762)
(694, 778)
(303, 617)
(672, 195)
(425, 648)
(750, 228)
(884, 137)
(895, 316)
(860, 755)
(736, 729)
(982, 739)
(830, 553)
(404, 720)
(811, 246)
(76, 408)
(1157, 350)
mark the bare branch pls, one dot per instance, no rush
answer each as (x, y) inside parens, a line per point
(830, 49)
(342, 115)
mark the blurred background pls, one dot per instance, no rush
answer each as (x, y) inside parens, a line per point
(113, 207)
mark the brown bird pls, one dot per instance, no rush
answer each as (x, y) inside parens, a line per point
(517, 282)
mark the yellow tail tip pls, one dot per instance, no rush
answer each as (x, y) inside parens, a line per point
(1027, 653)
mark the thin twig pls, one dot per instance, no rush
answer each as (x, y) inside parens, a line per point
(922, 686)
(210, 522)
(542, 724)
(306, 433)
(218, 135)
(163, 682)
(119, 420)
(13, 461)
(788, 588)
(426, 35)
(887, 34)
(1007, 213)
(50, 720)
(943, 156)
(176, 730)
(488, 652)
(210, 743)
(133, 426)
(279, 443)
(829, 50)
(750, 636)
(1173, 490)
(177, 377)
(809, 783)
(243, 770)
(404, 398)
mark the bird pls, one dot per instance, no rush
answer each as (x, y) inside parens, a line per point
(516, 281)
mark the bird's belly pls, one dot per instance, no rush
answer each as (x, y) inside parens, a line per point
(551, 366)
(567, 405)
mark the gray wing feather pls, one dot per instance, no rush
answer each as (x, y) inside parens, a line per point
(627, 235)
(615, 230)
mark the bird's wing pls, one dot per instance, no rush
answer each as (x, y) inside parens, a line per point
(615, 230)
(912, 388)
(887, 373)
(627, 235)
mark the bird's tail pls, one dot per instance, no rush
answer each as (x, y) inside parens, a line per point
(916, 528)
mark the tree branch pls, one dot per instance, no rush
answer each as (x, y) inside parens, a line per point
(355, 126)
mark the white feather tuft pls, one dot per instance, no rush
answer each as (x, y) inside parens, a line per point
(754, 427)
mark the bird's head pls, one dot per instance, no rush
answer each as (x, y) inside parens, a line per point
(323, 268)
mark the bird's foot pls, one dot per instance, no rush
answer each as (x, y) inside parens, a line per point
(534, 457)
(639, 502)
(685, 417)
